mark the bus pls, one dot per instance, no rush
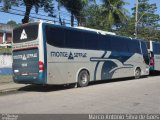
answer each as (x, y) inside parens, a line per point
(154, 53)
(44, 53)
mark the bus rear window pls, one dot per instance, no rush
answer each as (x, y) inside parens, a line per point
(25, 33)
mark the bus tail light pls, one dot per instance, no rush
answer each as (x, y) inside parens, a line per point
(41, 66)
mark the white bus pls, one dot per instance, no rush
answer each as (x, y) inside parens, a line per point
(44, 53)
(154, 53)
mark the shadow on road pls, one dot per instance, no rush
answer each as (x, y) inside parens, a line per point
(51, 88)
(114, 80)
(45, 88)
(154, 73)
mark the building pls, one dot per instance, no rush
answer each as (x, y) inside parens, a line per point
(5, 35)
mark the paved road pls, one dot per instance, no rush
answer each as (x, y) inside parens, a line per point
(127, 96)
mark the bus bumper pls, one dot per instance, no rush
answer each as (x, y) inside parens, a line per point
(30, 79)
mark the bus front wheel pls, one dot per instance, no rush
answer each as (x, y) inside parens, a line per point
(83, 78)
(137, 73)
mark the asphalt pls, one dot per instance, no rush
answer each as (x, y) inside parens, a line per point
(7, 84)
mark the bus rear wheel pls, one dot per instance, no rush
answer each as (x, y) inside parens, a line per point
(83, 78)
(137, 73)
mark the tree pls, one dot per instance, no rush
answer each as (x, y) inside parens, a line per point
(12, 23)
(94, 17)
(75, 7)
(46, 4)
(107, 16)
(148, 25)
(6, 4)
(127, 29)
(146, 13)
(148, 21)
(114, 12)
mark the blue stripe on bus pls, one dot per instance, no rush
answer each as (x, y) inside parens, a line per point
(109, 65)
(95, 71)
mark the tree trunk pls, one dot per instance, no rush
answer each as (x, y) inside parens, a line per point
(60, 20)
(72, 20)
(28, 5)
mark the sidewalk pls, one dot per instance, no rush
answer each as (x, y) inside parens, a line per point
(7, 84)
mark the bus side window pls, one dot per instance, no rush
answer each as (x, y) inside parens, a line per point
(91, 41)
(134, 46)
(124, 44)
(114, 43)
(118, 44)
(144, 49)
(74, 39)
(156, 48)
(55, 36)
(104, 43)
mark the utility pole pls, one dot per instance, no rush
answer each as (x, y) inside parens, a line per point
(136, 17)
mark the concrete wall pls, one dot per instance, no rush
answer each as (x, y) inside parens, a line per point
(5, 61)
(8, 38)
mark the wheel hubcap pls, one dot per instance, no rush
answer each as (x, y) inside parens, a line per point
(137, 73)
(84, 78)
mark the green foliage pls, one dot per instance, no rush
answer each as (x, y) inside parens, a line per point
(7, 4)
(110, 15)
(146, 14)
(107, 16)
(12, 23)
(95, 17)
(47, 5)
(149, 34)
(114, 12)
(127, 29)
(143, 33)
(148, 22)
(75, 7)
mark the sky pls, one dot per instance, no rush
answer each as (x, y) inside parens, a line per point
(5, 17)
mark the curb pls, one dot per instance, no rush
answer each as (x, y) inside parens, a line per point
(2, 83)
(10, 90)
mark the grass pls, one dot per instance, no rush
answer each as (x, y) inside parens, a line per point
(5, 78)
(5, 50)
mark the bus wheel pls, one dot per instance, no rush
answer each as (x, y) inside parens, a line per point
(137, 73)
(83, 78)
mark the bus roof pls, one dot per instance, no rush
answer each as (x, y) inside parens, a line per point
(86, 29)
(95, 30)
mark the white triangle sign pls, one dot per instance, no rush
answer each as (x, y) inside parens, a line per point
(24, 57)
(23, 35)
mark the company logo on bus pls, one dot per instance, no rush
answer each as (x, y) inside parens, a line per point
(68, 55)
(23, 35)
(25, 56)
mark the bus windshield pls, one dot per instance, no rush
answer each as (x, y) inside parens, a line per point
(25, 33)
(26, 53)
